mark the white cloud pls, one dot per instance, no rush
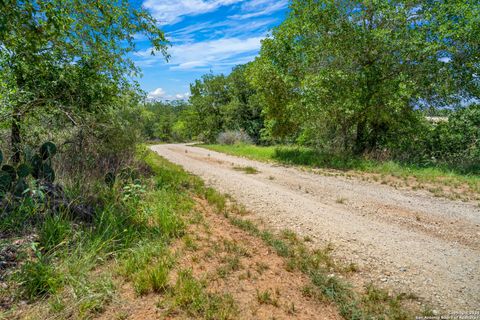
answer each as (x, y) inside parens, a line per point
(207, 54)
(213, 52)
(182, 96)
(226, 29)
(257, 8)
(156, 94)
(172, 11)
(160, 94)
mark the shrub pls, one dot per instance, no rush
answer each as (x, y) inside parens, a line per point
(234, 137)
(457, 142)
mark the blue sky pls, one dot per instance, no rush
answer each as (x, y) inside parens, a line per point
(206, 35)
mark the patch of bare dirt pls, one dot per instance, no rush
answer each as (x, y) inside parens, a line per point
(230, 262)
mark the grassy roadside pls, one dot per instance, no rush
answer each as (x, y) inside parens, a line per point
(329, 279)
(64, 269)
(60, 267)
(439, 181)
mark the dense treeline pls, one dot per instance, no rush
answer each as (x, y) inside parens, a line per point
(357, 78)
(218, 103)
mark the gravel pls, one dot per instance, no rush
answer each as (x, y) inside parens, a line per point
(404, 240)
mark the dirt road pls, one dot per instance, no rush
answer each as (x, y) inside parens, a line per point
(404, 240)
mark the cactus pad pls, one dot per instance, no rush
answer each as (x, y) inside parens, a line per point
(10, 170)
(24, 170)
(48, 150)
(5, 182)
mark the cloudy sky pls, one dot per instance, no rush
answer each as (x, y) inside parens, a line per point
(206, 35)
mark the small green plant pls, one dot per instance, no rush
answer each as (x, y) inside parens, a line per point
(14, 180)
(133, 192)
(38, 278)
(216, 199)
(247, 170)
(152, 279)
(190, 295)
(265, 297)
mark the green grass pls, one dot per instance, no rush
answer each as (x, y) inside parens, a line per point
(303, 156)
(190, 295)
(70, 269)
(318, 265)
(266, 297)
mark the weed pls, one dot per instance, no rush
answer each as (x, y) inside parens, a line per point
(190, 243)
(215, 198)
(341, 200)
(189, 294)
(247, 170)
(232, 263)
(154, 278)
(54, 232)
(233, 247)
(38, 278)
(261, 267)
(351, 267)
(265, 297)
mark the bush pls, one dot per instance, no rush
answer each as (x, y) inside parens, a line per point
(233, 137)
(457, 142)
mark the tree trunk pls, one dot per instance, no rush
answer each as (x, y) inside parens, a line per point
(16, 137)
(360, 139)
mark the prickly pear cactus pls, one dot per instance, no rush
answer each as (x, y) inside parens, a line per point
(14, 180)
(5, 183)
(10, 170)
(48, 150)
(24, 170)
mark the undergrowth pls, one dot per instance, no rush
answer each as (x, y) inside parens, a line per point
(66, 268)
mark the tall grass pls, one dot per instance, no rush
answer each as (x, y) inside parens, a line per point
(303, 156)
(69, 267)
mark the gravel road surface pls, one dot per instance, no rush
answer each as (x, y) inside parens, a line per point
(401, 240)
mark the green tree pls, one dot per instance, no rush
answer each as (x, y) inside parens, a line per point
(243, 112)
(67, 58)
(220, 103)
(350, 74)
(209, 96)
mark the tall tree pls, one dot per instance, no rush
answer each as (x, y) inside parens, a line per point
(209, 96)
(350, 74)
(65, 58)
